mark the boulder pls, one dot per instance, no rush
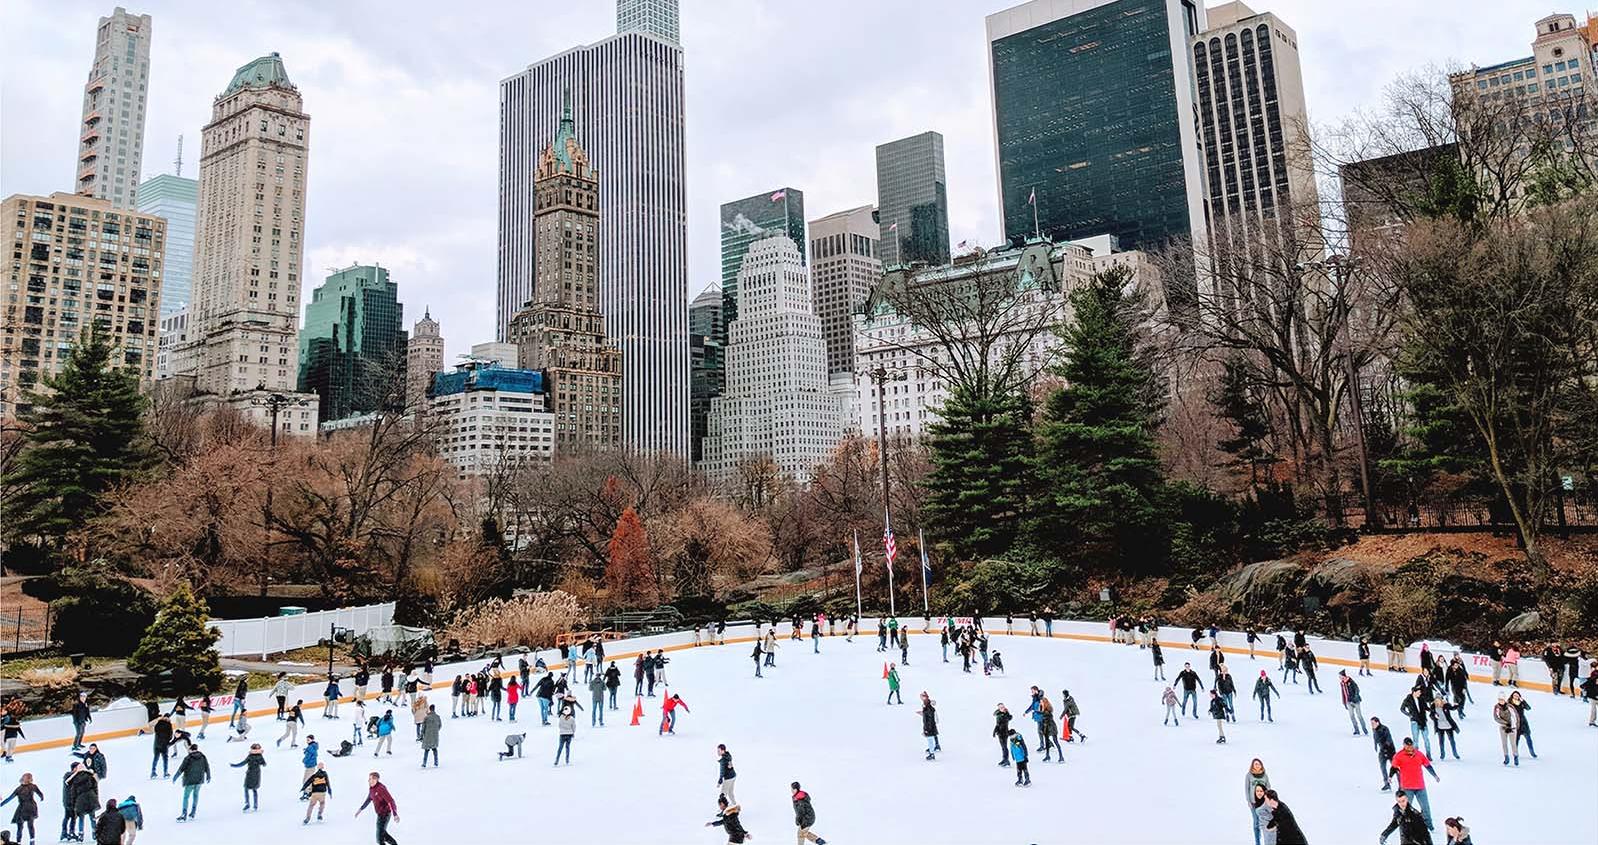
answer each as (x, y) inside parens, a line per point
(1526, 624)
(1333, 576)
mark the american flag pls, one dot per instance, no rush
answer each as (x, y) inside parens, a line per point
(783, 194)
(890, 550)
(1032, 198)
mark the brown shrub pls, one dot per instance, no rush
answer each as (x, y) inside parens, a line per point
(531, 620)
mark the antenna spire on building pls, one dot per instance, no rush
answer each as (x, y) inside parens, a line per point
(177, 163)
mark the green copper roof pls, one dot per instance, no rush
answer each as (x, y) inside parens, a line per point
(265, 72)
(566, 132)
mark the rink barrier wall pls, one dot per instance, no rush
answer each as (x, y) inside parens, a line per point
(114, 723)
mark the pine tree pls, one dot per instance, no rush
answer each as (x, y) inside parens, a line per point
(977, 491)
(83, 438)
(1101, 492)
(1235, 404)
(631, 572)
(178, 651)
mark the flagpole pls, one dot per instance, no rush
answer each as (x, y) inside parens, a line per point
(887, 529)
(921, 542)
(1035, 232)
(857, 607)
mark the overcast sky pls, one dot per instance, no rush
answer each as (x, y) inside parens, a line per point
(403, 98)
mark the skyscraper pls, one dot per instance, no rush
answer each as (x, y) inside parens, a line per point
(561, 332)
(1093, 119)
(706, 342)
(249, 235)
(1253, 126)
(173, 198)
(913, 200)
(424, 356)
(657, 17)
(845, 266)
(352, 348)
(780, 211)
(627, 96)
(53, 238)
(776, 403)
(111, 138)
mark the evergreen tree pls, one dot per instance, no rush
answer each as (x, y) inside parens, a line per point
(83, 438)
(1101, 492)
(1237, 405)
(178, 651)
(980, 451)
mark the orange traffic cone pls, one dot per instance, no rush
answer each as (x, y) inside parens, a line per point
(884, 671)
(638, 711)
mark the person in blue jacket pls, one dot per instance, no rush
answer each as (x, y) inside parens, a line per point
(1019, 755)
(132, 817)
(385, 734)
(308, 760)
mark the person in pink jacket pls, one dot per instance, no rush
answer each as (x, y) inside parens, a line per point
(1512, 665)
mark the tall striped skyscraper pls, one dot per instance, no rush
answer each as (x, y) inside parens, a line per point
(111, 137)
(627, 95)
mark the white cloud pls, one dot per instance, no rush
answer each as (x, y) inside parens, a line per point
(404, 104)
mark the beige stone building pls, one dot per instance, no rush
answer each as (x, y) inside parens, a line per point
(424, 356)
(561, 331)
(249, 236)
(845, 265)
(111, 136)
(1253, 126)
(71, 261)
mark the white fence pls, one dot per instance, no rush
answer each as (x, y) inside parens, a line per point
(281, 633)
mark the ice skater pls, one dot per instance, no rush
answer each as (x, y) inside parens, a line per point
(1412, 827)
(1263, 690)
(382, 803)
(929, 724)
(1169, 700)
(252, 764)
(330, 697)
(1159, 660)
(27, 794)
(1307, 661)
(292, 720)
(1018, 753)
(1218, 713)
(1408, 764)
(385, 734)
(726, 775)
(1350, 692)
(432, 724)
(1071, 711)
(1001, 729)
(727, 819)
(756, 657)
(280, 691)
(1382, 740)
(804, 815)
(513, 745)
(1255, 783)
(316, 789)
(668, 713)
(1190, 683)
(892, 678)
(194, 771)
(566, 723)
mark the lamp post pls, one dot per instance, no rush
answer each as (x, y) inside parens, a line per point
(881, 375)
(332, 637)
(274, 402)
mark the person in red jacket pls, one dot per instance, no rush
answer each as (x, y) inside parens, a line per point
(1408, 764)
(513, 694)
(668, 713)
(382, 803)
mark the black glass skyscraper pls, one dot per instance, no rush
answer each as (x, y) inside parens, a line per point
(1093, 119)
(913, 201)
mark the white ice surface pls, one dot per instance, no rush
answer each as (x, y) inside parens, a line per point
(821, 720)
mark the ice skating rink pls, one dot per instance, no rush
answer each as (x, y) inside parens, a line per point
(821, 720)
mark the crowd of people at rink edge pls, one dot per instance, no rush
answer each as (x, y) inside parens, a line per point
(1435, 705)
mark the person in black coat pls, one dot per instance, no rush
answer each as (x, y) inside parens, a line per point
(85, 794)
(1283, 822)
(1409, 823)
(1001, 729)
(727, 820)
(1382, 738)
(94, 758)
(110, 827)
